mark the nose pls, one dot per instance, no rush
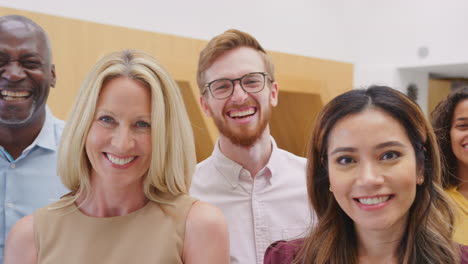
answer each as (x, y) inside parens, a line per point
(238, 95)
(122, 140)
(370, 174)
(13, 72)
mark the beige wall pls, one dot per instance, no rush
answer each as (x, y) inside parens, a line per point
(77, 45)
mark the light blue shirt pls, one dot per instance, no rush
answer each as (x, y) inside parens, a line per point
(30, 181)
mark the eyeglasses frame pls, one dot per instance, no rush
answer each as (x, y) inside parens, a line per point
(208, 85)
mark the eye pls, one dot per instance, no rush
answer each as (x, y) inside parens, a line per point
(345, 160)
(390, 155)
(31, 64)
(462, 126)
(142, 124)
(106, 119)
(221, 85)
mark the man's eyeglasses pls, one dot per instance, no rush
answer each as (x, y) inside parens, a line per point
(253, 82)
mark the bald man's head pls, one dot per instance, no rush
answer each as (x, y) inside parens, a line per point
(24, 22)
(26, 71)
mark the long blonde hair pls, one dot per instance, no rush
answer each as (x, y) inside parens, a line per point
(173, 149)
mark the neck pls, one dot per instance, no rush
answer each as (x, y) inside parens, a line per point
(107, 199)
(16, 138)
(252, 158)
(379, 246)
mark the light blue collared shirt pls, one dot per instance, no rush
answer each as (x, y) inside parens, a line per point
(30, 181)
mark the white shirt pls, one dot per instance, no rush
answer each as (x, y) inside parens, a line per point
(269, 207)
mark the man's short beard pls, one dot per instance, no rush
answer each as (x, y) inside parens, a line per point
(243, 139)
(19, 121)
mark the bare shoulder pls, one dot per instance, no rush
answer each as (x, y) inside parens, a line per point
(20, 245)
(206, 236)
(203, 213)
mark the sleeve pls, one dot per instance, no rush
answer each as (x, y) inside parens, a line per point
(281, 252)
(464, 255)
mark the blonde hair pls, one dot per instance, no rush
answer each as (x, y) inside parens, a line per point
(229, 40)
(173, 149)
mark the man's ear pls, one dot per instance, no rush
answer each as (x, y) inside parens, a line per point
(53, 78)
(274, 94)
(204, 105)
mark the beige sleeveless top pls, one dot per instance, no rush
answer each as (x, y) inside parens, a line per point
(152, 234)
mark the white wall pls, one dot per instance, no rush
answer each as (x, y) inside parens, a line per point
(380, 37)
(305, 27)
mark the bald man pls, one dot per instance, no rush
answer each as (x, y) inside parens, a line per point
(29, 134)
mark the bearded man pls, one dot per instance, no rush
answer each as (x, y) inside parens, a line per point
(260, 188)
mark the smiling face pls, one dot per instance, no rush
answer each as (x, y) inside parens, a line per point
(118, 144)
(26, 72)
(243, 117)
(459, 133)
(372, 170)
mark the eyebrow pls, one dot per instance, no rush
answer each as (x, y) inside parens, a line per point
(343, 149)
(390, 144)
(106, 112)
(379, 146)
(462, 119)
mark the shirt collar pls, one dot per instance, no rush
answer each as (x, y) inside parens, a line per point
(231, 170)
(46, 138)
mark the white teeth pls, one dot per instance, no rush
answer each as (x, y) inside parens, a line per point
(13, 99)
(119, 161)
(243, 113)
(10, 94)
(376, 200)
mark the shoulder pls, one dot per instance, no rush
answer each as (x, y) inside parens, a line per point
(206, 236)
(300, 161)
(204, 217)
(464, 255)
(282, 252)
(203, 164)
(20, 245)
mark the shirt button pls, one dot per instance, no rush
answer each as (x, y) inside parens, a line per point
(10, 205)
(12, 165)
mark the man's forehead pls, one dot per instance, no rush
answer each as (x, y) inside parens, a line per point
(235, 63)
(20, 29)
(23, 36)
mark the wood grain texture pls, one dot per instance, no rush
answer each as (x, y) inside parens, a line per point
(77, 45)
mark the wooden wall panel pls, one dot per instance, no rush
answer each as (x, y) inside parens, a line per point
(293, 118)
(77, 45)
(438, 90)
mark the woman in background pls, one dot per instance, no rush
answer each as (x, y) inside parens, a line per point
(127, 155)
(450, 121)
(374, 181)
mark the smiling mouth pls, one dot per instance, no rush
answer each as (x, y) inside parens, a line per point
(119, 161)
(373, 200)
(11, 96)
(238, 114)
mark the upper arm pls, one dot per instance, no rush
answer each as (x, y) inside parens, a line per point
(20, 247)
(206, 236)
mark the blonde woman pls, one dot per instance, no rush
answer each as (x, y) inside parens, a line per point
(127, 156)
